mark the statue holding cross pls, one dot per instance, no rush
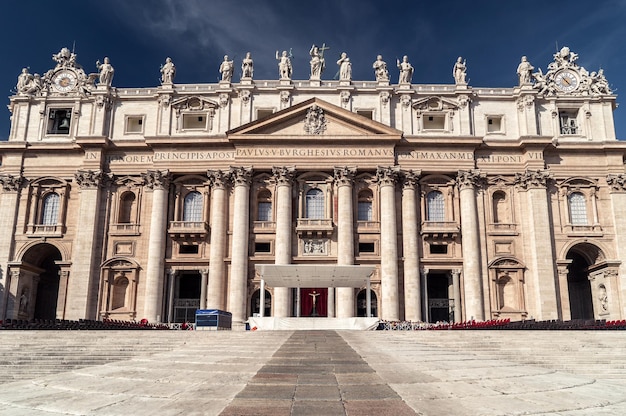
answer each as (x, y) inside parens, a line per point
(317, 61)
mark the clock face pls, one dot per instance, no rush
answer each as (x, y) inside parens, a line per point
(566, 81)
(64, 81)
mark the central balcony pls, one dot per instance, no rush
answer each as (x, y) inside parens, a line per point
(314, 227)
(188, 230)
(440, 229)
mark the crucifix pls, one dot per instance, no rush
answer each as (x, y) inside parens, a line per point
(314, 296)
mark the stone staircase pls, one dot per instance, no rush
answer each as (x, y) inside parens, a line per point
(30, 354)
(588, 353)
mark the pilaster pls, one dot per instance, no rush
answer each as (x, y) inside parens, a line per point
(9, 202)
(82, 291)
(617, 186)
(539, 243)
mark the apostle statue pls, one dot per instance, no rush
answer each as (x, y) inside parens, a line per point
(226, 69)
(105, 71)
(380, 69)
(168, 71)
(247, 66)
(406, 70)
(345, 67)
(524, 71)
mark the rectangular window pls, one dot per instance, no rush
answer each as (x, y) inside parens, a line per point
(568, 120)
(367, 248)
(264, 112)
(194, 121)
(364, 211)
(265, 211)
(494, 124)
(134, 124)
(59, 121)
(264, 247)
(434, 122)
(366, 113)
(188, 249)
(438, 249)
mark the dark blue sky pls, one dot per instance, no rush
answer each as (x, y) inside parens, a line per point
(138, 35)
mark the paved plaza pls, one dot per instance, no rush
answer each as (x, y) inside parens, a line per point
(312, 373)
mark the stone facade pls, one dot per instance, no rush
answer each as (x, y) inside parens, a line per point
(471, 203)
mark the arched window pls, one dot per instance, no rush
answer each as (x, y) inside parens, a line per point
(364, 209)
(435, 207)
(264, 201)
(127, 205)
(500, 212)
(192, 208)
(315, 204)
(50, 209)
(577, 208)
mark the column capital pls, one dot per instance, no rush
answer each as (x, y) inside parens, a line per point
(533, 179)
(11, 183)
(469, 178)
(88, 178)
(344, 175)
(455, 272)
(410, 178)
(283, 175)
(241, 176)
(617, 183)
(156, 179)
(387, 175)
(218, 179)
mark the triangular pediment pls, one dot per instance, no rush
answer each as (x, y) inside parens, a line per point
(435, 103)
(315, 119)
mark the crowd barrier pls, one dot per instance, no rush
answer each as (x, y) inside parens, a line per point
(81, 324)
(505, 324)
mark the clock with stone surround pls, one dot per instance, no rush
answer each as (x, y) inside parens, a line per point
(64, 80)
(566, 80)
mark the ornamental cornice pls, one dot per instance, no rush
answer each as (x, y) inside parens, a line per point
(11, 183)
(241, 176)
(344, 176)
(533, 179)
(283, 175)
(218, 179)
(156, 179)
(617, 183)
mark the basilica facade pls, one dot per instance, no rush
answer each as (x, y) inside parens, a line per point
(459, 202)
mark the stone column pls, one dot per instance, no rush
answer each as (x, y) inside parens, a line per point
(158, 181)
(238, 287)
(283, 176)
(219, 219)
(344, 176)
(9, 203)
(456, 293)
(388, 243)
(470, 239)
(171, 288)
(410, 248)
(82, 291)
(204, 282)
(424, 285)
(539, 244)
(617, 186)
(563, 271)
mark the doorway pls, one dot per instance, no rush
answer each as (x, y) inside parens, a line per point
(439, 288)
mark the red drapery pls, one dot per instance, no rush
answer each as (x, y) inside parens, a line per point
(321, 301)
